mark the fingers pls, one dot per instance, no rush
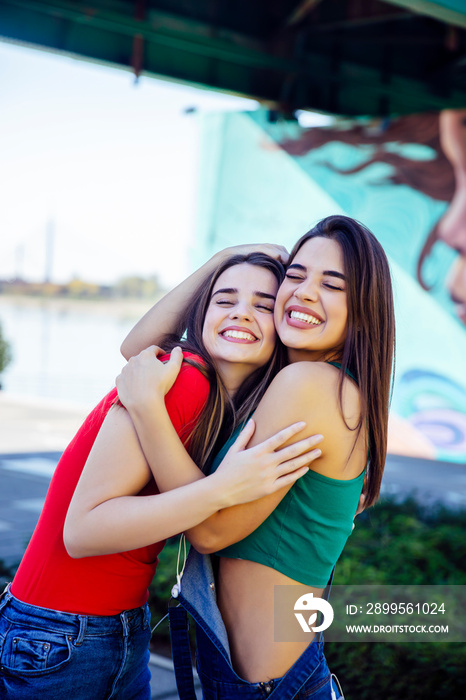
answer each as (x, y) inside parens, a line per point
(176, 357)
(298, 462)
(154, 350)
(279, 252)
(301, 447)
(288, 479)
(167, 372)
(243, 438)
(274, 443)
(273, 250)
(277, 440)
(361, 504)
(283, 254)
(144, 377)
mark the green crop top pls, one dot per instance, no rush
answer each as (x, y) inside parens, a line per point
(306, 533)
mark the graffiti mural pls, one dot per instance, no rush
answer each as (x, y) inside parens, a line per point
(405, 178)
(423, 153)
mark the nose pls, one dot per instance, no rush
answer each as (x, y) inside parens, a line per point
(307, 291)
(242, 311)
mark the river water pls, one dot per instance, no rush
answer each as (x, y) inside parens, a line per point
(67, 350)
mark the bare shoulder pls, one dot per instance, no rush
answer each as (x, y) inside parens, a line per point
(316, 383)
(309, 391)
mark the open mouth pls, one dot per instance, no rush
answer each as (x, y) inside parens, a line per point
(305, 318)
(244, 336)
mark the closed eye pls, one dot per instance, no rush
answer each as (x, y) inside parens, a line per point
(262, 307)
(332, 286)
(293, 277)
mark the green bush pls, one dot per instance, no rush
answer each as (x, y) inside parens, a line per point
(396, 544)
(392, 544)
(5, 352)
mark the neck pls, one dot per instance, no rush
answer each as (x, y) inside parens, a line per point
(232, 376)
(303, 355)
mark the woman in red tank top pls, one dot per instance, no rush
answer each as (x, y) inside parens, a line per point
(75, 620)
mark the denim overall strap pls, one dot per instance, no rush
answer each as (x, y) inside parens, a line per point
(328, 587)
(197, 585)
(181, 652)
(198, 597)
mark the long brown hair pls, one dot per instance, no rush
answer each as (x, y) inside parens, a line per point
(368, 351)
(222, 414)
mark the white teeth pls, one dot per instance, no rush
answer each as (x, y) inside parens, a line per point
(305, 317)
(239, 334)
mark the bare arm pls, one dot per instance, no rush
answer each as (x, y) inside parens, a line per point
(306, 391)
(164, 316)
(173, 468)
(107, 515)
(141, 387)
(309, 391)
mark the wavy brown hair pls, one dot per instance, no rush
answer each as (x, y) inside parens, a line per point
(368, 350)
(222, 415)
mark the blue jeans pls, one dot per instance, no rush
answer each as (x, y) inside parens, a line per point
(51, 654)
(308, 679)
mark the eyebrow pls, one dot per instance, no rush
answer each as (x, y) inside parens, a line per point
(327, 273)
(233, 290)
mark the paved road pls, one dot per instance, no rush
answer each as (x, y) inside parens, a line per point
(429, 481)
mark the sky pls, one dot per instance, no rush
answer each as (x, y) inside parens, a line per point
(106, 167)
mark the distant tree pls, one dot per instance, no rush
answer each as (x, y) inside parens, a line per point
(81, 289)
(5, 353)
(137, 287)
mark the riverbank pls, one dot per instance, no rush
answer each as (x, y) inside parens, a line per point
(124, 308)
(65, 349)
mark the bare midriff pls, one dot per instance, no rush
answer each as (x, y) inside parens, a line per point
(246, 601)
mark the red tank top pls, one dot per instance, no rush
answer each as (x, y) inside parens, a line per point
(103, 585)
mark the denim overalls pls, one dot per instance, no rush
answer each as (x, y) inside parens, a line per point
(308, 678)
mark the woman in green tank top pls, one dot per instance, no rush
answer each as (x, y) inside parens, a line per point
(334, 313)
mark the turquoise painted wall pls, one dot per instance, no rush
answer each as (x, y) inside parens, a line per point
(255, 186)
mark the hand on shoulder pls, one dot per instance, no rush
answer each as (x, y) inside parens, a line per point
(145, 380)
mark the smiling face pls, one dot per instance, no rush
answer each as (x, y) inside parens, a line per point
(239, 332)
(311, 311)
